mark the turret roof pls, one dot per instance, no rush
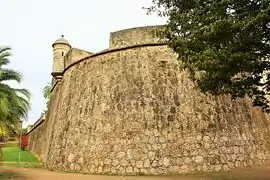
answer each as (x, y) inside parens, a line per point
(61, 40)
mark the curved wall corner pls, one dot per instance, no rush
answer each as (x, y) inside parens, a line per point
(129, 112)
(134, 36)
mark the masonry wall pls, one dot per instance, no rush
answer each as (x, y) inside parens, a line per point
(40, 138)
(134, 36)
(36, 140)
(74, 55)
(132, 111)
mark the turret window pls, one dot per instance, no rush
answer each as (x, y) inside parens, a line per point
(62, 53)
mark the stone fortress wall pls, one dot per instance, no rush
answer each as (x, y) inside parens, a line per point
(130, 110)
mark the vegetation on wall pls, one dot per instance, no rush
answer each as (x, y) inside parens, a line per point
(225, 44)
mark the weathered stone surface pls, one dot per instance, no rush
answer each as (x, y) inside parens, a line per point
(125, 37)
(80, 160)
(199, 159)
(132, 110)
(129, 170)
(151, 155)
(139, 164)
(70, 157)
(146, 163)
(129, 154)
(115, 162)
(120, 155)
(166, 162)
(123, 163)
(188, 160)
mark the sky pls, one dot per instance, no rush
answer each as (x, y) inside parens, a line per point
(30, 27)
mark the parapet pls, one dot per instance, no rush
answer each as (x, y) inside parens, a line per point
(41, 119)
(75, 55)
(134, 36)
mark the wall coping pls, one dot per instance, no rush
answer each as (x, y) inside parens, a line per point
(135, 28)
(107, 51)
(54, 85)
(37, 123)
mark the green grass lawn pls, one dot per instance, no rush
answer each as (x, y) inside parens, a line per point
(11, 154)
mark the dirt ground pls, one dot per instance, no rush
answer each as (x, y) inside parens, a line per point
(12, 173)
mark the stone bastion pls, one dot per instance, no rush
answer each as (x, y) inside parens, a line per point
(131, 110)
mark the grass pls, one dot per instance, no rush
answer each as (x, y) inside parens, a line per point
(11, 154)
(11, 158)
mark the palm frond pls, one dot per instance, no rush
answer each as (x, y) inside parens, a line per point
(4, 55)
(10, 75)
(14, 103)
(4, 106)
(26, 93)
(47, 91)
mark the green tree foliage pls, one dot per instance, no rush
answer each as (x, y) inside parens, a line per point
(14, 103)
(24, 131)
(227, 41)
(47, 93)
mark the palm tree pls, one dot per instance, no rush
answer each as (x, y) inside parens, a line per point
(47, 93)
(14, 103)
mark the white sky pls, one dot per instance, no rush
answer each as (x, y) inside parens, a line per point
(29, 27)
